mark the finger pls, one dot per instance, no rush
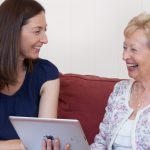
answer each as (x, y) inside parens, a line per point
(49, 144)
(56, 144)
(67, 147)
(22, 147)
(44, 145)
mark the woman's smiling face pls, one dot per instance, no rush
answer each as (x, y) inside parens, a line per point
(33, 36)
(136, 54)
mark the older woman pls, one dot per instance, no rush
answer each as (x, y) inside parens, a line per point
(126, 124)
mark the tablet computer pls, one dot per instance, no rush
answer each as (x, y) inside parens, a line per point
(32, 131)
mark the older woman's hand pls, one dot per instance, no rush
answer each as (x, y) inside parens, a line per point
(53, 145)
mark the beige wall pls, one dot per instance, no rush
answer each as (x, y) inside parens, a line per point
(86, 36)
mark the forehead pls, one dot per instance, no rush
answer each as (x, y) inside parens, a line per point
(137, 38)
(37, 20)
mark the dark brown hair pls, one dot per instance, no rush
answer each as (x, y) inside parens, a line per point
(13, 15)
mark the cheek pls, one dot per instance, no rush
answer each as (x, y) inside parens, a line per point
(25, 47)
(26, 40)
(26, 43)
(145, 64)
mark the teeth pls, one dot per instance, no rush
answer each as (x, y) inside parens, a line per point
(132, 65)
(37, 47)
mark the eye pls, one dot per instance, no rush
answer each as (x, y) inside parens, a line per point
(133, 49)
(124, 47)
(37, 32)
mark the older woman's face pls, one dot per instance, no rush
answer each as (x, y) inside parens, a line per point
(136, 54)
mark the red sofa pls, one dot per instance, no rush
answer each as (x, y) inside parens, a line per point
(84, 97)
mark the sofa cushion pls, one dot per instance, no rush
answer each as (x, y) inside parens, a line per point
(84, 97)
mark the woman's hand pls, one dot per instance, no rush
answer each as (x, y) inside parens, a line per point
(53, 145)
(11, 145)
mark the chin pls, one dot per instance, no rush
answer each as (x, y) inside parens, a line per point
(34, 57)
(133, 76)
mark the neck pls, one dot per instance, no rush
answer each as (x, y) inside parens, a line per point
(145, 85)
(21, 67)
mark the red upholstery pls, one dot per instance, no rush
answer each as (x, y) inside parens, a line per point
(84, 97)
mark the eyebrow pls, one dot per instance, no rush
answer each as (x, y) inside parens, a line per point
(39, 27)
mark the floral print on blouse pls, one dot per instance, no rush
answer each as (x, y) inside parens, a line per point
(117, 112)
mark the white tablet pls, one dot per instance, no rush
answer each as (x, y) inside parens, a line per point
(33, 130)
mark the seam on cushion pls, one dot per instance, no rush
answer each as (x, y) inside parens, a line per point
(91, 77)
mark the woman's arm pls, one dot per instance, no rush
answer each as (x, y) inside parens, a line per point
(49, 99)
(47, 108)
(11, 145)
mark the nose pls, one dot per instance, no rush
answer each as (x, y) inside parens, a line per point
(44, 38)
(126, 54)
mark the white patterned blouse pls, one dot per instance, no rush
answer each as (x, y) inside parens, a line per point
(117, 113)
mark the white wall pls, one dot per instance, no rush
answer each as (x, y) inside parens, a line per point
(86, 36)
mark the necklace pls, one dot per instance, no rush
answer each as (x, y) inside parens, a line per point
(137, 98)
(135, 101)
(139, 104)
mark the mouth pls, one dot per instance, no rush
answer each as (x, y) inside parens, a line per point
(37, 47)
(132, 66)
